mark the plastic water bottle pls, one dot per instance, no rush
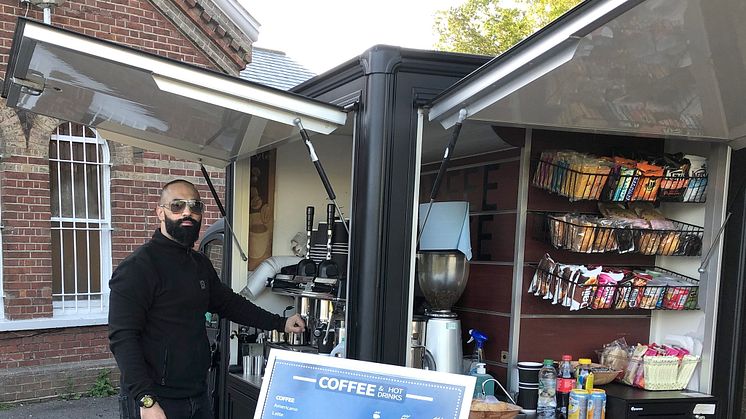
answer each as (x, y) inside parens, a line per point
(547, 404)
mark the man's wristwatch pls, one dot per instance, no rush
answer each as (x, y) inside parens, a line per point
(146, 401)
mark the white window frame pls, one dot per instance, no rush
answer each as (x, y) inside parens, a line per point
(71, 310)
(2, 256)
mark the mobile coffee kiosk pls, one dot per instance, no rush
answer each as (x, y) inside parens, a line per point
(609, 78)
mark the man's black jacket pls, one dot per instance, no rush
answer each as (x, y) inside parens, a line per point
(159, 296)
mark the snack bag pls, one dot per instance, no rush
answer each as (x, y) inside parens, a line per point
(628, 176)
(634, 372)
(544, 170)
(615, 355)
(696, 189)
(675, 180)
(582, 235)
(647, 188)
(546, 264)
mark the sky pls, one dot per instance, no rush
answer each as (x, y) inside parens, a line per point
(321, 34)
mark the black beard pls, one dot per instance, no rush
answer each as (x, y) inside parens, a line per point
(185, 235)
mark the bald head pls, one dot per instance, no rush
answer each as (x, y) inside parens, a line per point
(178, 189)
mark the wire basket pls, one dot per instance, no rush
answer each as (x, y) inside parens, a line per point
(616, 184)
(569, 288)
(601, 235)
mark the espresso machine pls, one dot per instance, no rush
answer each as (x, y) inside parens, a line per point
(442, 273)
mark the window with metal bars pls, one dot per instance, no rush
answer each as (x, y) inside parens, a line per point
(81, 220)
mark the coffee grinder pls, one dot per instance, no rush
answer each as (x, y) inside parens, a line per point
(442, 272)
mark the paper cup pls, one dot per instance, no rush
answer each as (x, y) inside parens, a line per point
(528, 398)
(528, 372)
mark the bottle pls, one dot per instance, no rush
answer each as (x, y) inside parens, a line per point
(547, 404)
(565, 384)
(480, 372)
(583, 374)
(478, 356)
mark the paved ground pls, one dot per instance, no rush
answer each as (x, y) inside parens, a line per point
(83, 408)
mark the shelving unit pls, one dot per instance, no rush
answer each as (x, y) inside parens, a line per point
(579, 177)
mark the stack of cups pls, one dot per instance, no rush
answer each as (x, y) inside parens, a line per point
(528, 385)
(253, 359)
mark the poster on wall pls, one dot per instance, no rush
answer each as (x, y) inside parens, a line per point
(303, 385)
(261, 207)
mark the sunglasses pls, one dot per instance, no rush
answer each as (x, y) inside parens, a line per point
(178, 205)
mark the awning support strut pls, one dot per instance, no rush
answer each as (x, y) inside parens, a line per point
(222, 211)
(443, 167)
(320, 169)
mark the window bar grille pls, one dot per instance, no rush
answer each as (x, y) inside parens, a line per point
(75, 236)
(74, 224)
(59, 223)
(81, 220)
(99, 207)
(87, 224)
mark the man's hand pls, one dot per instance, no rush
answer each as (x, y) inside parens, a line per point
(154, 412)
(295, 324)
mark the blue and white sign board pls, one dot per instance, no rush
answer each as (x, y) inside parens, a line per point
(301, 385)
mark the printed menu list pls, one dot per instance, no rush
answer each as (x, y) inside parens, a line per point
(298, 385)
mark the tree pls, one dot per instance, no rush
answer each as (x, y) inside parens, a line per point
(490, 27)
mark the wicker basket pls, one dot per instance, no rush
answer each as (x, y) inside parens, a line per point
(668, 372)
(500, 410)
(600, 377)
(604, 377)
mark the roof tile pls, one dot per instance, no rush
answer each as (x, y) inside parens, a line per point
(275, 69)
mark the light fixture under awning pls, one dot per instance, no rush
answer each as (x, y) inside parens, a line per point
(153, 102)
(662, 68)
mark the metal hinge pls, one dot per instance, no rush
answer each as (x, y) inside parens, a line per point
(33, 84)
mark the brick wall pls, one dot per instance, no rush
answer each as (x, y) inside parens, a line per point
(136, 181)
(43, 363)
(37, 364)
(135, 23)
(35, 348)
(66, 379)
(24, 183)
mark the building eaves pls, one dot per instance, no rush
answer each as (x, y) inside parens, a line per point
(214, 31)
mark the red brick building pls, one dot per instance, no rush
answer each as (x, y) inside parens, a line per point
(72, 204)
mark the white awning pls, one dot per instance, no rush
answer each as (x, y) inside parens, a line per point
(152, 102)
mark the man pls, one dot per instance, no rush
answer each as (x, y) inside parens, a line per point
(159, 296)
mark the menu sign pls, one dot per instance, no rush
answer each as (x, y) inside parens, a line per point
(300, 385)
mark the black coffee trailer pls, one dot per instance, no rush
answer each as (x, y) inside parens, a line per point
(668, 73)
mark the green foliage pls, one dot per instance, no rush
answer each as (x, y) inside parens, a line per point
(6, 406)
(102, 387)
(490, 27)
(69, 393)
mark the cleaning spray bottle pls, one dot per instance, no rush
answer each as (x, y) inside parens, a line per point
(478, 355)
